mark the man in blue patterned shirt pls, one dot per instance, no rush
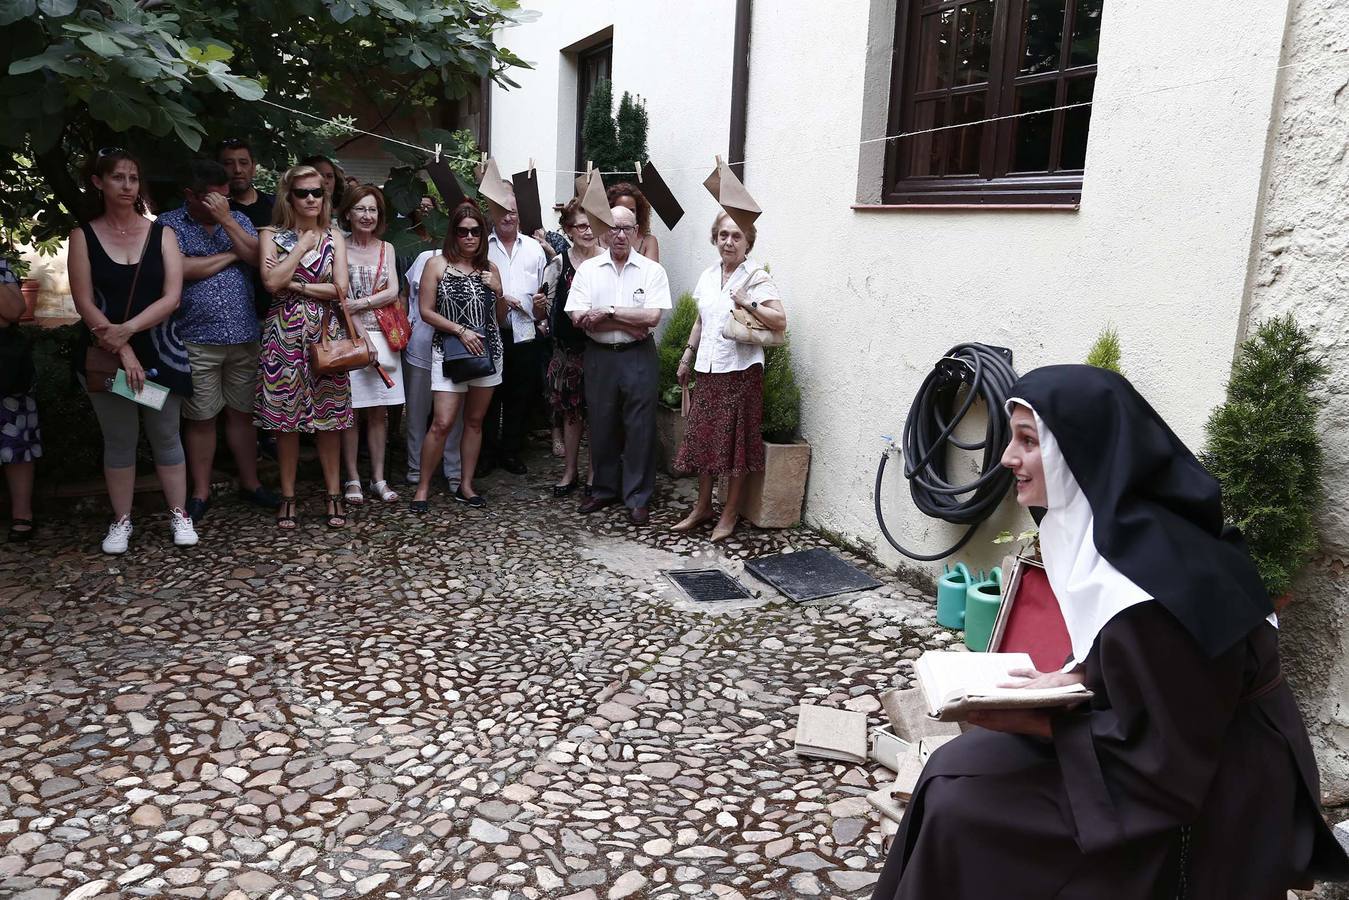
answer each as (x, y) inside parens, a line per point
(219, 325)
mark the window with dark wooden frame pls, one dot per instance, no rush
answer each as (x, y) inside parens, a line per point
(959, 61)
(592, 65)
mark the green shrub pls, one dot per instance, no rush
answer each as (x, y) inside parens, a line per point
(72, 446)
(1263, 447)
(672, 344)
(1105, 353)
(781, 396)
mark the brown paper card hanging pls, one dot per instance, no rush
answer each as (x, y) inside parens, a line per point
(445, 181)
(730, 193)
(527, 200)
(658, 194)
(494, 189)
(595, 204)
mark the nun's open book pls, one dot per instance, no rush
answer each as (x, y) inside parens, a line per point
(955, 684)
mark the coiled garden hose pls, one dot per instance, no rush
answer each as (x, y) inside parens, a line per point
(929, 432)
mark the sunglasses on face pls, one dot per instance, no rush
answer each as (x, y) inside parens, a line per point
(463, 232)
(110, 151)
(301, 193)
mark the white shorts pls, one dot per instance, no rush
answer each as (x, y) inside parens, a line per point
(440, 383)
(367, 388)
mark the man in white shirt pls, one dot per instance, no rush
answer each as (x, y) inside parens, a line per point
(617, 298)
(521, 262)
(417, 386)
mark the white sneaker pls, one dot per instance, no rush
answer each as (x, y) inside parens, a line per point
(184, 535)
(119, 535)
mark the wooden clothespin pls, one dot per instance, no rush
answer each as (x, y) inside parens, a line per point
(437, 159)
(590, 170)
(531, 165)
(718, 160)
(638, 167)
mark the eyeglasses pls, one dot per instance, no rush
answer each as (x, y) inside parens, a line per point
(301, 193)
(581, 226)
(110, 151)
(231, 144)
(468, 232)
(370, 210)
(624, 229)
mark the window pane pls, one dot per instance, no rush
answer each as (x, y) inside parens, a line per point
(974, 42)
(1044, 36)
(1086, 32)
(925, 151)
(1075, 124)
(1033, 134)
(964, 144)
(936, 52)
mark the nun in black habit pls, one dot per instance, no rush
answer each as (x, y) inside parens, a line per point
(1189, 775)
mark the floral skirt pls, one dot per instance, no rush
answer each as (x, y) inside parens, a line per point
(722, 435)
(566, 386)
(291, 396)
(20, 436)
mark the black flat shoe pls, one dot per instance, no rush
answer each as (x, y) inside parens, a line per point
(562, 490)
(477, 501)
(420, 506)
(18, 533)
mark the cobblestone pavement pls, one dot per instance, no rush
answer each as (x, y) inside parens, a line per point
(508, 703)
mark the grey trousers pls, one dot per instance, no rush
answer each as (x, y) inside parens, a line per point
(121, 419)
(417, 416)
(621, 390)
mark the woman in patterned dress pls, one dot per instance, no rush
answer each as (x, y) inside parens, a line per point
(460, 295)
(304, 264)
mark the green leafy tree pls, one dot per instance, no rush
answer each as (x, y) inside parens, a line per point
(599, 134)
(1264, 449)
(1105, 353)
(631, 127)
(781, 396)
(161, 78)
(672, 343)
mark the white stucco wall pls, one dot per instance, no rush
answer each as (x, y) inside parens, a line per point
(676, 56)
(1160, 246)
(1301, 267)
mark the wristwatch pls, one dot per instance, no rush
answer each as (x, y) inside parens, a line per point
(754, 304)
(613, 310)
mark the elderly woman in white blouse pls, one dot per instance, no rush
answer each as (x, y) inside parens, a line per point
(722, 435)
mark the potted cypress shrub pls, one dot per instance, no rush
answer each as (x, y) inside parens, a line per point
(774, 497)
(669, 411)
(1263, 447)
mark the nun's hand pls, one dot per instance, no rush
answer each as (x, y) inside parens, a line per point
(1034, 722)
(1030, 678)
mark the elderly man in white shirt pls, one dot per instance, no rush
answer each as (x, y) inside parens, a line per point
(521, 262)
(617, 298)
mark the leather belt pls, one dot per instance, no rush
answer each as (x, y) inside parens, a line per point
(619, 346)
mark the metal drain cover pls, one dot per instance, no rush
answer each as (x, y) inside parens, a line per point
(810, 574)
(707, 585)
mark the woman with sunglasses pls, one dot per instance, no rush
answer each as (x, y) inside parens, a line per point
(304, 266)
(126, 276)
(566, 385)
(460, 295)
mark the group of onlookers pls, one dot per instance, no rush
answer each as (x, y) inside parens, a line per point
(211, 309)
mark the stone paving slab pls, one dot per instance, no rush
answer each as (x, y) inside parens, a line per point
(509, 703)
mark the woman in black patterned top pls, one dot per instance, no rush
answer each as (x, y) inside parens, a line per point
(461, 296)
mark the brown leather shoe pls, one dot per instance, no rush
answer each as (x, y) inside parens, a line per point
(595, 504)
(639, 515)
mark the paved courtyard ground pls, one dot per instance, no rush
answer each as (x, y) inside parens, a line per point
(509, 703)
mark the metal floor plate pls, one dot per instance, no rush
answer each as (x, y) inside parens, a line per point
(707, 585)
(810, 574)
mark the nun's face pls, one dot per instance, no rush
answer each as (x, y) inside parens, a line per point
(1022, 456)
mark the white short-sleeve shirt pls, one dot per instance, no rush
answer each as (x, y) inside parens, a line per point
(716, 353)
(598, 284)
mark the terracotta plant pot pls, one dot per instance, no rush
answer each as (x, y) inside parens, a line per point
(30, 288)
(774, 497)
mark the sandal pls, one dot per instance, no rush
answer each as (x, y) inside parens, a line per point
(20, 530)
(382, 490)
(352, 493)
(337, 512)
(285, 514)
(420, 506)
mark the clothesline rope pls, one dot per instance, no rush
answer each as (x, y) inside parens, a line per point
(803, 153)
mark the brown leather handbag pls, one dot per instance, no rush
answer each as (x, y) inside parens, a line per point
(335, 357)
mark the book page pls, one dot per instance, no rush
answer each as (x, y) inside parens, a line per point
(950, 678)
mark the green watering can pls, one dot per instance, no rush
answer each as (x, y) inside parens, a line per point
(983, 598)
(951, 590)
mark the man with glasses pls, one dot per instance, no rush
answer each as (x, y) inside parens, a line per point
(521, 262)
(617, 298)
(220, 330)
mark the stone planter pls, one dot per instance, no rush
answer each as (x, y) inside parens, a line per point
(669, 435)
(30, 288)
(773, 498)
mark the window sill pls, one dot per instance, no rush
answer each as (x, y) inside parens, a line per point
(963, 207)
